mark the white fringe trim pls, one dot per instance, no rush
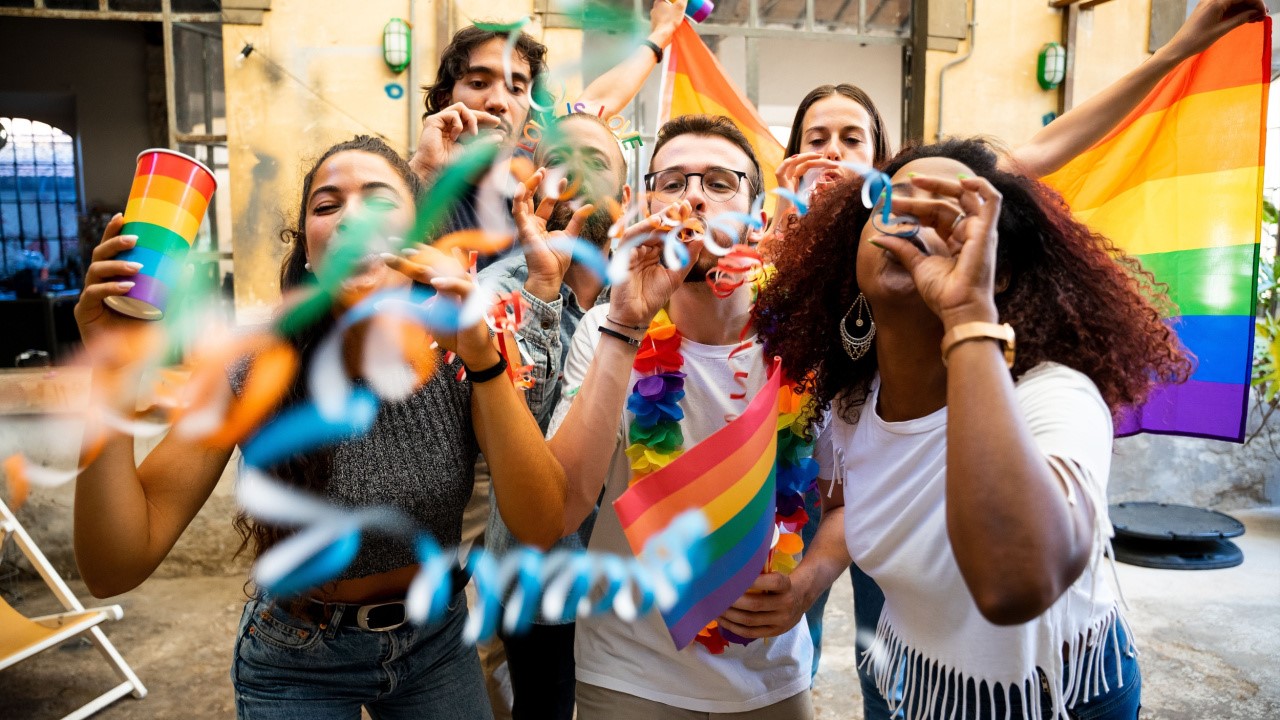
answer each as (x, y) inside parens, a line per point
(928, 684)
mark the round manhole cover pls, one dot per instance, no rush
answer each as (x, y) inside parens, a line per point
(1174, 555)
(1163, 521)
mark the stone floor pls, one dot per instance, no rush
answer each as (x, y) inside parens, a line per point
(1210, 641)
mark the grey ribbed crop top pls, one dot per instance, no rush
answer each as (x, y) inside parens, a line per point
(419, 457)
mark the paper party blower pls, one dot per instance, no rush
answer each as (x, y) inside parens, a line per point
(699, 10)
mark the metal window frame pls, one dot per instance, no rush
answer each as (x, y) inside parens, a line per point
(104, 12)
(167, 19)
(913, 45)
(40, 233)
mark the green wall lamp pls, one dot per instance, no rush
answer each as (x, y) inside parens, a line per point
(396, 46)
(1051, 67)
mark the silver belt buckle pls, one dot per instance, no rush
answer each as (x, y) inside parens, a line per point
(362, 617)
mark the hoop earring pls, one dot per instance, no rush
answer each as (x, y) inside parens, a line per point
(857, 347)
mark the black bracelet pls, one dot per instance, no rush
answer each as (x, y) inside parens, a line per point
(624, 325)
(624, 338)
(479, 376)
(657, 51)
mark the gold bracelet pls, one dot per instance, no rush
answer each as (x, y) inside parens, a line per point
(1003, 333)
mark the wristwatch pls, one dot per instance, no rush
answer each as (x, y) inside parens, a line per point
(1003, 333)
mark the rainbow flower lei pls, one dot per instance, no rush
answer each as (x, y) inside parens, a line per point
(657, 439)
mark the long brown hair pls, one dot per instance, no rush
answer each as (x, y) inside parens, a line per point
(879, 140)
(1072, 296)
(310, 471)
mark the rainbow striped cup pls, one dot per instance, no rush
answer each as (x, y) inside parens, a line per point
(167, 203)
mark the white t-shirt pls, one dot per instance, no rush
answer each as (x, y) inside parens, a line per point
(640, 658)
(896, 531)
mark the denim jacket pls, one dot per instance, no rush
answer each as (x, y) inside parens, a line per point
(544, 342)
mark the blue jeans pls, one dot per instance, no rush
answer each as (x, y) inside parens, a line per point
(1116, 703)
(287, 668)
(867, 601)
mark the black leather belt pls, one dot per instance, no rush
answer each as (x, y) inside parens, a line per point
(374, 617)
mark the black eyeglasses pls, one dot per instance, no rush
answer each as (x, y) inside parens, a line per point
(719, 184)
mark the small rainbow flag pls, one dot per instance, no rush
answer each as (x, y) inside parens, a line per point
(730, 477)
(1178, 185)
(695, 83)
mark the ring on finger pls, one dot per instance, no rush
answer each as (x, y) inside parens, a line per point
(957, 221)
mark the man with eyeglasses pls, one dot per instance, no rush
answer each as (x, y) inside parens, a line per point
(702, 167)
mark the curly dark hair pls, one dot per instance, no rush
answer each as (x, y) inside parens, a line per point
(1071, 295)
(311, 471)
(457, 54)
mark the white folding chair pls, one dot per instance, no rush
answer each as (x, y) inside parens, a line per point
(20, 637)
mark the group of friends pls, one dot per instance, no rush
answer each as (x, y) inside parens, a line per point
(964, 373)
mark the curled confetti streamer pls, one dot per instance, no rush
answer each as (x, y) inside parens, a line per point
(453, 182)
(15, 472)
(585, 254)
(303, 428)
(307, 559)
(481, 241)
(269, 376)
(509, 48)
(741, 265)
(802, 208)
(528, 582)
(674, 254)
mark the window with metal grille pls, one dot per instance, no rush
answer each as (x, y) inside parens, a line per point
(39, 202)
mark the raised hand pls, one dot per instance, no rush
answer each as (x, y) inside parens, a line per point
(953, 258)
(789, 175)
(1210, 21)
(664, 17)
(649, 283)
(547, 265)
(104, 278)
(446, 274)
(445, 133)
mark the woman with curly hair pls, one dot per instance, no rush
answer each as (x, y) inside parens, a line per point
(969, 475)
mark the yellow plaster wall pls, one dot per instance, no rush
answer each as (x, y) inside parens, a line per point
(1111, 40)
(995, 92)
(317, 77)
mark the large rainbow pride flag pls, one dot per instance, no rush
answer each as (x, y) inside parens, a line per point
(695, 83)
(730, 477)
(1178, 185)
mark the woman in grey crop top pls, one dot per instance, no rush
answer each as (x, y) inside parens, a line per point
(345, 645)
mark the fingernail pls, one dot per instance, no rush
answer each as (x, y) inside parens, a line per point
(128, 239)
(873, 242)
(962, 176)
(409, 252)
(389, 257)
(126, 285)
(133, 266)
(911, 175)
